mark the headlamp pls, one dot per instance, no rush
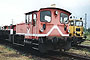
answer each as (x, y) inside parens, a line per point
(56, 12)
(41, 30)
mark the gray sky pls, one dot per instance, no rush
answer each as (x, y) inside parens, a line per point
(15, 9)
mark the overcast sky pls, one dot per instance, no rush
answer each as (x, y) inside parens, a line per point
(15, 9)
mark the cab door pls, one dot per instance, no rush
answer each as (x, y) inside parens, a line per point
(29, 18)
(34, 25)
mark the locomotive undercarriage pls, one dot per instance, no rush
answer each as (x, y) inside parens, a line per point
(45, 44)
(77, 40)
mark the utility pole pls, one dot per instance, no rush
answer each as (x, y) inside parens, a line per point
(85, 21)
(12, 21)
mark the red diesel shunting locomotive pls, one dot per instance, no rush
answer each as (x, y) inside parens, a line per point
(46, 29)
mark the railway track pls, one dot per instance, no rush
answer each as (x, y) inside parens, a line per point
(54, 58)
(82, 46)
(77, 56)
(55, 55)
(71, 56)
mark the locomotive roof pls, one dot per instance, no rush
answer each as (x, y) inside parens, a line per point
(57, 9)
(48, 8)
(31, 12)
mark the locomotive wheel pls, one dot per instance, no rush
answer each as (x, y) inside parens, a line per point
(67, 46)
(42, 48)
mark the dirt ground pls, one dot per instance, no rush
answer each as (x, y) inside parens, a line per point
(7, 53)
(11, 52)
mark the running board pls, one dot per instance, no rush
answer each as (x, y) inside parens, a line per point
(35, 48)
(18, 44)
(35, 44)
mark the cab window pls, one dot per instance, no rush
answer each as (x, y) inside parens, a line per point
(64, 18)
(29, 18)
(45, 16)
(34, 19)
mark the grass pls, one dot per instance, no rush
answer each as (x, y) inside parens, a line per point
(7, 53)
(88, 37)
(87, 42)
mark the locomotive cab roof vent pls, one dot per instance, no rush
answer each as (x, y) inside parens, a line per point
(53, 5)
